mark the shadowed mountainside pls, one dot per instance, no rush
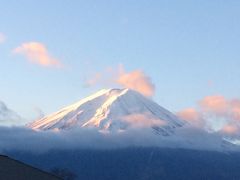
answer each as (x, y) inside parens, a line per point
(139, 163)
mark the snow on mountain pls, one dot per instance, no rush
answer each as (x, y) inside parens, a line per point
(112, 110)
(7, 116)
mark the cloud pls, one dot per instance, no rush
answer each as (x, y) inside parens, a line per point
(37, 53)
(191, 115)
(235, 106)
(217, 104)
(136, 80)
(39, 112)
(8, 117)
(23, 139)
(230, 129)
(215, 113)
(138, 134)
(94, 80)
(2, 38)
(143, 120)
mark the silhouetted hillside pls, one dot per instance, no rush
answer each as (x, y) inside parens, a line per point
(139, 163)
(11, 169)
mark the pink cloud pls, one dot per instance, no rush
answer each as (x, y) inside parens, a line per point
(2, 38)
(136, 80)
(216, 104)
(235, 106)
(222, 106)
(189, 114)
(215, 108)
(37, 53)
(192, 116)
(142, 120)
(94, 80)
(230, 129)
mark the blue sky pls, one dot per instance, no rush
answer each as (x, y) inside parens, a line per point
(189, 49)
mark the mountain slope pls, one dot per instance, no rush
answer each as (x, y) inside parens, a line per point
(112, 110)
(138, 163)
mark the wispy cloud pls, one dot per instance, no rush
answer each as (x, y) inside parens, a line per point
(39, 112)
(215, 110)
(8, 117)
(2, 38)
(136, 80)
(94, 80)
(37, 53)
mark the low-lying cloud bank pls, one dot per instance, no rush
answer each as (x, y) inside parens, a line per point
(211, 111)
(23, 139)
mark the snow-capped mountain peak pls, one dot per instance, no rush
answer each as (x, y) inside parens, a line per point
(112, 110)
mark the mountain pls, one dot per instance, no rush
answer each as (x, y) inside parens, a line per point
(12, 169)
(7, 116)
(112, 110)
(137, 163)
